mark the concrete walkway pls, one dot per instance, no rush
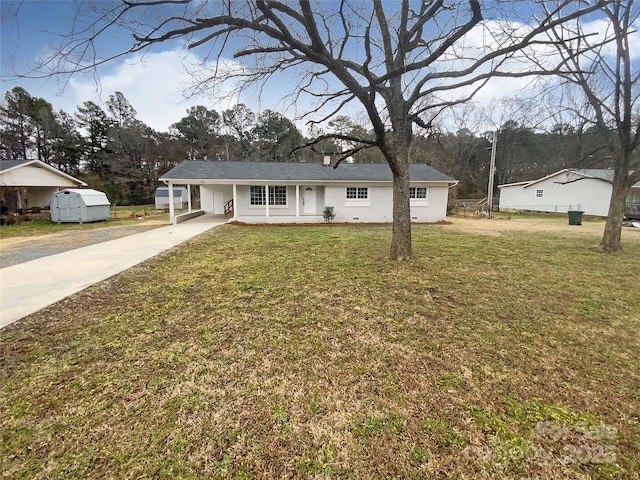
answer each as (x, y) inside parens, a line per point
(31, 286)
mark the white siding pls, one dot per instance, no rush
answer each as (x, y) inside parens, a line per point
(213, 198)
(436, 210)
(32, 176)
(378, 207)
(588, 195)
(244, 206)
(40, 196)
(206, 197)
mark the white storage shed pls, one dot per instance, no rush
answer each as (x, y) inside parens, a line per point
(180, 198)
(79, 205)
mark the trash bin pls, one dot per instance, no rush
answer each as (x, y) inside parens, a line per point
(575, 217)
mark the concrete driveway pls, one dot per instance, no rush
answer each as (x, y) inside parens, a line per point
(31, 286)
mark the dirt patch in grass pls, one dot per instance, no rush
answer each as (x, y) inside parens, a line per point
(499, 225)
(305, 353)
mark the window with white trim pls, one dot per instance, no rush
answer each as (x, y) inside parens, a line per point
(256, 193)
(357, 193)
(277, 195)
(539, 193)
(418, 192)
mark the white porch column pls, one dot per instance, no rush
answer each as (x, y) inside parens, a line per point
(172, 211)
(235, 201)
(297, 200)
(266, 192)
(189, 196)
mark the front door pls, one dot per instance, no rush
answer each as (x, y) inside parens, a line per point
(309, 201)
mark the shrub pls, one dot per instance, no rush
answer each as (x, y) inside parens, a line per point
(328, 214)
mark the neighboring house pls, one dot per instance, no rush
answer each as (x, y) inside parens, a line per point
(26, 184)
(270, 192)
(180, 197)
(587, 190)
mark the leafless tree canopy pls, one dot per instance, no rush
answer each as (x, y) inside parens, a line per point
(383, 54)
(402, 61)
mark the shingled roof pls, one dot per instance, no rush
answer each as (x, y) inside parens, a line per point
(7, 164)
(292, 172)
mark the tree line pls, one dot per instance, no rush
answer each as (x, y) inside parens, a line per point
(115, 152)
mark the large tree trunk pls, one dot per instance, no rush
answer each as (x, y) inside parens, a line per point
(613, 227)
(399, 163)
(401, 236)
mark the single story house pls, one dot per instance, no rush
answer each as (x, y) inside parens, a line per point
(586, 190)
(272, 192)
(26, 184)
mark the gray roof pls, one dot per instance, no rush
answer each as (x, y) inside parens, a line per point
(163, 192)
(602, 174)
(7, 164)
(314, 172)
(596, 173)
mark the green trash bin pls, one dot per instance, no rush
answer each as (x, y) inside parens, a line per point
(575, 217)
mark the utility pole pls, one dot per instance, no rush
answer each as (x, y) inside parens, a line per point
(492, 170)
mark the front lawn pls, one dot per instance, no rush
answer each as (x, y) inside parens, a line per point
(271, 352)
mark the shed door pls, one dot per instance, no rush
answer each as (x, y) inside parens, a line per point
(69, 207)
(63, 207)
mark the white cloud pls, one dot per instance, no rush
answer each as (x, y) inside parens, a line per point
(491, 35)
(157, 85)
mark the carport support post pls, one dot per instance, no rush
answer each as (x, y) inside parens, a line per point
(172, 211)
(189, 196)
(235, 201)
(297, 200)
(266, 192)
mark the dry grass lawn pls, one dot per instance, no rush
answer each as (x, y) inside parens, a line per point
(266, 352)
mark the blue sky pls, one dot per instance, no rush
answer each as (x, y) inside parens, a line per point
(154, 83)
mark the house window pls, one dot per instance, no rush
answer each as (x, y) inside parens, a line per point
(359, 193)
(277, 195)
(417, 192)
(257, 195)
(539, 193)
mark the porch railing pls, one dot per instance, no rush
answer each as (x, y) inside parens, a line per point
(228, 209)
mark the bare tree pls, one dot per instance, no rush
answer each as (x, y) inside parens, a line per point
(402, 61)
(602, 69)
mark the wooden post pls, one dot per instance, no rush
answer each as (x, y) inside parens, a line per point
(492, 169)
